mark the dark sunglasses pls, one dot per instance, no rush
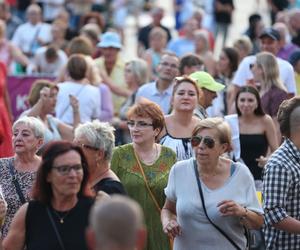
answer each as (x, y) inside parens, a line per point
(208, 141)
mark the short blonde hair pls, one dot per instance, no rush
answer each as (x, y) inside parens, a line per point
(221, 126)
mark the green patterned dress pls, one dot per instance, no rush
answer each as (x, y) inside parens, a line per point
(125, 165)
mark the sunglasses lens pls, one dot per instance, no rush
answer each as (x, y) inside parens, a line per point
(195, 141)
(209, 142)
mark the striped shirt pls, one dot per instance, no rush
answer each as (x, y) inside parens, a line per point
(281, 194)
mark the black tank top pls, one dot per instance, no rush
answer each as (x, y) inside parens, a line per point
(41, 235)
(252, 147)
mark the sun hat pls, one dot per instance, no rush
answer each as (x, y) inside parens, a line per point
(110, 39)
(270, 32)
(205, 80)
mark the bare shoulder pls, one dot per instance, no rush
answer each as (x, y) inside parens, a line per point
(267, 121)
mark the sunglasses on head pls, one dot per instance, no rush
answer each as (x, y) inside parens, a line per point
(208, 141)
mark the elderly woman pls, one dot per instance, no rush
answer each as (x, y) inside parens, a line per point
(143, 167)
(181, 122)
(97, 140)
(18, 172)
(42, 99)
(136, 74)
(57, 216)
(210, 193)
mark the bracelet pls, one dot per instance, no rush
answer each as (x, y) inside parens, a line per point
(245, 215)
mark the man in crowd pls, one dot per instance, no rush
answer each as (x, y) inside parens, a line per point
(116, 224)
(161, 90)
(281, 187)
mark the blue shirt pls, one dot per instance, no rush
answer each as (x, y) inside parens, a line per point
(150, 91)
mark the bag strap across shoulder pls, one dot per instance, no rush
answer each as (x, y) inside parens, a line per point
(16, 182)
(204, 208)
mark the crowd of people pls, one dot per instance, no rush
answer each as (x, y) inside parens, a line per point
(172, 149)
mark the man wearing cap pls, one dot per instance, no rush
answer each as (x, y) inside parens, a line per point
(209, 87)
(269, 42)
(111, 67)
(160, 91)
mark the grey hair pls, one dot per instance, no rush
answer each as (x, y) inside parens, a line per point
(35, 124)
(139, 68)
(116, 222)
(99, 135)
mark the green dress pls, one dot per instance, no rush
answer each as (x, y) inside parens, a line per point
(125, 165)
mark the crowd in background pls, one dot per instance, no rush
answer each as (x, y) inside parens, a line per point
(164, 110)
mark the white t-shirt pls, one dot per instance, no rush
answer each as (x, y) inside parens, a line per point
(197, 231)
(26, 33)
(50, 68)
(88, 97)
(286, 73)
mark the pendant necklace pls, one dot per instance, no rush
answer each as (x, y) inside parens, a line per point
(61, 218)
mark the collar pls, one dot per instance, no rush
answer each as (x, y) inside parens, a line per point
(167, 91)
(292, 148)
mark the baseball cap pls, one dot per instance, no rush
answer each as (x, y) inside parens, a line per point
(110, 39)
(205, 80)
(270, 32)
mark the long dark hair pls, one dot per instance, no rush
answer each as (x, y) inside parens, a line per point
(233, 58)
(42, 190)
(249, 89)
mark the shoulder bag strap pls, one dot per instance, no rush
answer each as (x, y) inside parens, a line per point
(205, 212)
(55, 229)
(16, 183)
(146, 182)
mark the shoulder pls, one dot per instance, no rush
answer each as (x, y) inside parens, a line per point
(267, 120)
(122, 149)
(146, 86)
(283, 63)
(182, 167)
(168, 152)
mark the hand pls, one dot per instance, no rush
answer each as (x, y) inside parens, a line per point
(172, 228)
(3, 209)
(44, 94)
(231, 208)
(74, 103)
(262, 161)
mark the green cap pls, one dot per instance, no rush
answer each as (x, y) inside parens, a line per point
(205, 80)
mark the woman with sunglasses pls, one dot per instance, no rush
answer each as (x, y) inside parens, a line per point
(57, 216)
(179, 124)
(228, 191)
(97, 140)
(257, 131)
(143, 167)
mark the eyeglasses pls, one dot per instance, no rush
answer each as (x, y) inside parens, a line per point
(139, 124)
(66, 169)
(88, 147)
(207, 140)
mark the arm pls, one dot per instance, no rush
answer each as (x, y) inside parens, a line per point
(270, 131)
(248, 218)
(15, 240)
(120, 91)
(8, 103)
(169, 219)
(18, 55)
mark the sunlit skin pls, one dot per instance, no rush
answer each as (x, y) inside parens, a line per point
(68, 185)
(168, 68)
(185, 97)
(24, 139)
(268, 44)
(247, 103)
(209, 96)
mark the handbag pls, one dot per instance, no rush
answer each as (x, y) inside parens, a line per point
(205, 212)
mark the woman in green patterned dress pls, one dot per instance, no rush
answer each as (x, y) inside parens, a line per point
(143, 167)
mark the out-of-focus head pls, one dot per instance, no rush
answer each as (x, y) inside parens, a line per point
(63, 15)
(157, 14)
(269, 40)
(189, 64)
(199, 14)
(110, 40)
(228, 61)
(294, 59)
(4, 11)
(70, 157)
(58, 29)
(2, 29)
(116, 223)
(190, 26)
(243, 46)
(34, 13)
(201, 40)
(28, 134)
(256, 101)
(158, 38)
(92, 32)
(283, 33)
(294, 19)
(94, 18)
(168, 67)
(77, 67)
(80, 45)
(220, 127)
(136, 70)
(95, 136)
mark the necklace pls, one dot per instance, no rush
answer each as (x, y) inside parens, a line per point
(154, 159)
(61, 218)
